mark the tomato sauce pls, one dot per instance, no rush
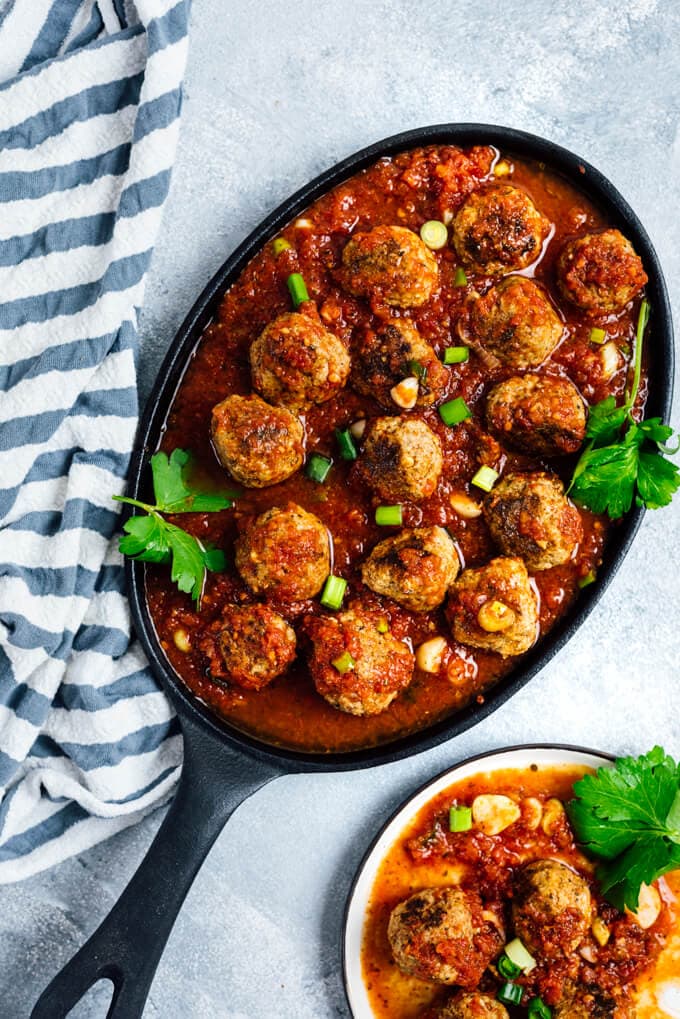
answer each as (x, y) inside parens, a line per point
(427, 855)
(406, 190)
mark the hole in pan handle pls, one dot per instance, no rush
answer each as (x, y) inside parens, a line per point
(127, 946)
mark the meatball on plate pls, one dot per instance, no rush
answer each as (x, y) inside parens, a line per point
(390, 264)
(477, 900)
(357, 665)
(541, 414)
(514, 324)
(297, 362)
(498, 229)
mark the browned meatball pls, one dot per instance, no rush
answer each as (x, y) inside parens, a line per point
(551, 908)
(593, 1003)
(401, 459)
(259, 445)
(284, 553)
(600, 273)
(392, 264)
(514, 323)
(394, 352)
(494, 607)
(539, 414)
(473, 1006)
(357, 665)
(498, 229)
(440, 934)
(530, 516)
(250, 645)
(297, 362)
(415, 567)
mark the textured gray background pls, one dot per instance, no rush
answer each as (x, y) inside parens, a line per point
(275, 93)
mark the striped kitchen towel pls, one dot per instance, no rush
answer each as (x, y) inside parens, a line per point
(89, 116)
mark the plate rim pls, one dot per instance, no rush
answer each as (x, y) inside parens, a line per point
(353, 985)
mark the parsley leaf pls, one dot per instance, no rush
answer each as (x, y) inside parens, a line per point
(605, 421)
(174, 493)
(618, 467)
(150, 538)
(628, 817)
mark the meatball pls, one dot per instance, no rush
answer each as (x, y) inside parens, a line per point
(392, 264)
(514, 323)
(593, 1003)
(551, 908)
(473, 1006)
(259, 445)
(402, 459)
(539, 414)
(285, 553)
(357, 665)
(530, 516)
(395, 352)
(494, 607)
(415, 568)
(498, 230)
(250, 646)
(600, 273)
(440, 934)
(297, 362)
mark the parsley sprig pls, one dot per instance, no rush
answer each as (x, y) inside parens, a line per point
(620, 465)
(628, 817)
(151, 539)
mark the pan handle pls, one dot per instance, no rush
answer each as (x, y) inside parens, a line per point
(127, 946)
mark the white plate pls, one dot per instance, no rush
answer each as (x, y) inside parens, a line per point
(357, 905)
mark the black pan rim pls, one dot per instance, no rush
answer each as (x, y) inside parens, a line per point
(596, 186)
(482, 756)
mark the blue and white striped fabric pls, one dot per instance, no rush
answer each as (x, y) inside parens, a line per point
(89, 117)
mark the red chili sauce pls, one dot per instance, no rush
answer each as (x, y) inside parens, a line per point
(405, 190)
(427, 855)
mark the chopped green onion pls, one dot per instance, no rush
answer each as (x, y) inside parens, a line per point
(297, 289)
(382, 626)
(538, 1009)
(455, 411)
(279, 245)
(418, 369)
(456, 355)
(388, 516)
(510, 994)
(597, 335)
(507, 969)
(343, 663)
(333, 592)
(318, 467)
(460, 279)
(434, 234)
(589, 579)
(485, 478)
(460, 818)
(517, 953)
(348, 450)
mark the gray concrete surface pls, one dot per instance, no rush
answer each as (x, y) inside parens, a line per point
(275, 93)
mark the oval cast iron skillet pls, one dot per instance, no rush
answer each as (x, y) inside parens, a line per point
(223, 766)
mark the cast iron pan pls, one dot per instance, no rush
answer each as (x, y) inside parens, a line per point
(223, 766)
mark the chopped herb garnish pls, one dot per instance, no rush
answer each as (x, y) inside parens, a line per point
(297, 289)
(333, 592)
(460, 818)
(628, 817)
(625, 460)
(151, 539)
(418, 369)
